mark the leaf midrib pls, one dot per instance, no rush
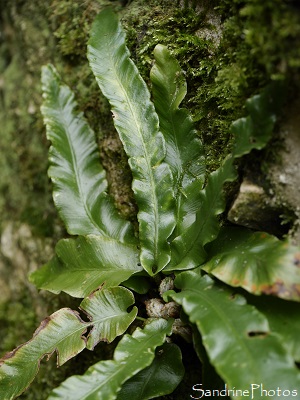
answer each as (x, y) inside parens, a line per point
(55, 347)
(74, 163)
(123, 366)
(85, 325)
(145, 151)
(224, 319)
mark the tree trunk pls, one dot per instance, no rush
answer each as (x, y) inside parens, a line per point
(229, 52)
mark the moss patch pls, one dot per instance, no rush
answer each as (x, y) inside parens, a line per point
(228, 49)
(258, 42)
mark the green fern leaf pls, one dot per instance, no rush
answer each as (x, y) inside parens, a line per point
(252, 132)
(137, 124)
(236, 336)
(188, 249)
(184, 150)
(63, 332)
(107, 311)
(258, 262)
(103, 380)
(75, 170)
(139, 283)
(160, 378)
(283, 317)
(84, 264)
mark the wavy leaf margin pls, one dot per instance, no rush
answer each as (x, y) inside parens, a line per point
(63, 332)
(104, 379)
(236, 336)
(137, 124)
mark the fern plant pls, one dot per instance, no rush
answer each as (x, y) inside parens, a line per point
(250, 342)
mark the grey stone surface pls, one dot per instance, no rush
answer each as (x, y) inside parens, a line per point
(284, 175)
(254, 208)
(20, 253)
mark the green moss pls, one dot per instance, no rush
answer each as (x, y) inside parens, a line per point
(71, 22)
(22, 163)
(187, 33)
(181, 30)
(16, 320)
(24, 188)
(259, 42)
(228, 49)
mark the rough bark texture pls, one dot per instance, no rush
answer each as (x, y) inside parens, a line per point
(229, 50)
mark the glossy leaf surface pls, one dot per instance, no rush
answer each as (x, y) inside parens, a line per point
(184, 150)
(107, 310)
(63, 332)
(137, 124)
(250, 133)
(258, 262)
(236, 336)
(160, 378)
(103, 380)
(188, 248)
(138, 283)
(82, 265)
(75, 170)
(283, 317)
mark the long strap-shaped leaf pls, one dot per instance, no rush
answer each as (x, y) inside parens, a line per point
(236, 337)
(75, 169)
(252, 132)
(103, 380)
(185, 153)
(82, 265)
(137, 124)
(63, 332)
(188, 248)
